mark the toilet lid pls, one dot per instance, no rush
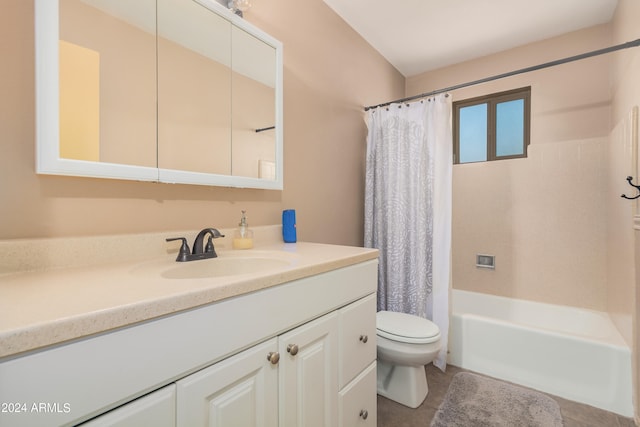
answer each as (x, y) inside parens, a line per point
(406, 328)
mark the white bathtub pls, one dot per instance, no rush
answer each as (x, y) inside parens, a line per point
(568, 352)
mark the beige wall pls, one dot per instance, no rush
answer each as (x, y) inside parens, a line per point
(543, 216)
(330, 74)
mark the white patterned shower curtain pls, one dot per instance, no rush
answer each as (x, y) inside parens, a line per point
(408, 208)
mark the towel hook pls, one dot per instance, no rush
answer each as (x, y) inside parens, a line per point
(637, 187)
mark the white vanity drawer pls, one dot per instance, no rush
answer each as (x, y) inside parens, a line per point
(358, 401)
(357, 337)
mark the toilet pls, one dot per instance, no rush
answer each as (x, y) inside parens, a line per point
(405, 344)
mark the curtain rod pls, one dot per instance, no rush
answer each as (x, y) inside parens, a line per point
(621, 46)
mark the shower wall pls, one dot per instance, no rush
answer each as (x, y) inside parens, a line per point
(621, 159)
(543, 217)
(624, 288)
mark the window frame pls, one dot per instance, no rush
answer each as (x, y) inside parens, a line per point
(492, 100)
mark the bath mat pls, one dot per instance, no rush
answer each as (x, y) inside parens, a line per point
(476, 401)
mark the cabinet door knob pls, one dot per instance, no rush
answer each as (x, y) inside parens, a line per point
(364, 338)
(273, 357)
(364, 414)
(292, 349)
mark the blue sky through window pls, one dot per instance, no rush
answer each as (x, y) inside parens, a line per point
(473, 133)
(510, 128)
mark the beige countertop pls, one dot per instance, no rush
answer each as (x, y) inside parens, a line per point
(43, 308)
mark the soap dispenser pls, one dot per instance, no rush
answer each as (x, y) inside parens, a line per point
(243, 237)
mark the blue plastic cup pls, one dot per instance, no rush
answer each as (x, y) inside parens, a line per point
(289, 225)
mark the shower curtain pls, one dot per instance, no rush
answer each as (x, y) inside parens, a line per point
(408, 208)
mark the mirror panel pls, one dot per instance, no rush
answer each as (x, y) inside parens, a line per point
(107, 66)
(253, 106)
(194, 88)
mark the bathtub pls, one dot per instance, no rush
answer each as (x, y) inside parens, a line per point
(569, 352)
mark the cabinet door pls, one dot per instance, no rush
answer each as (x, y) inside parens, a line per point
(309, 374)
(357, 337)
(239, 391)
(358, 400)
(155, 409)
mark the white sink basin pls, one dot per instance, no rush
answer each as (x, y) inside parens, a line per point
(228, 263)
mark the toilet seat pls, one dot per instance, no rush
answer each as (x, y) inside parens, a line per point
(406, 328)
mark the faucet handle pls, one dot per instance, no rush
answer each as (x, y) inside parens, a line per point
(209, 249)
(184, 248)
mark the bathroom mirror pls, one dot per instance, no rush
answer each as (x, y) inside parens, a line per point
(179, 91)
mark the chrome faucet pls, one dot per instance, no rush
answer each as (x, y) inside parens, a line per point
(200, 251)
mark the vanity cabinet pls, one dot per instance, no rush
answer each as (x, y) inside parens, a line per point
(219, 357)
(292, 380)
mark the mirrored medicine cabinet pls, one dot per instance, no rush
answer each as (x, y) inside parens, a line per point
(176, 91)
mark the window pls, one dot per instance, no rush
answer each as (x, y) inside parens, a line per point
(492, 127)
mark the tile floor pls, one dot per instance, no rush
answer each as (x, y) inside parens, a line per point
(392, 414)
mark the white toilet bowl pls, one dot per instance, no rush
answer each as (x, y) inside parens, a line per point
(405, 344)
